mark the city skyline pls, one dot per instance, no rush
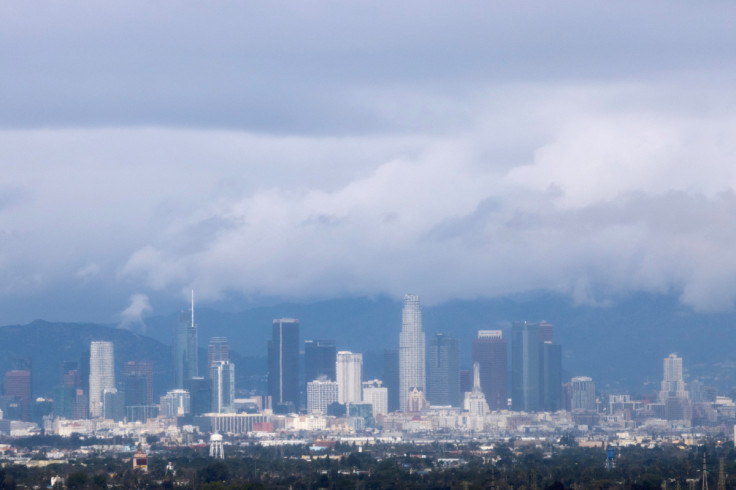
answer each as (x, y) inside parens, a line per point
(474, 244)
(537, 386)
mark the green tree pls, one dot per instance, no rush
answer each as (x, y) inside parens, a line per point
(213, 472)
(78, 479)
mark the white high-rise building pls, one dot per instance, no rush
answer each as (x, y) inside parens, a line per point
(223, 387)
(320, 394)
(377, 395)
(411, 350)
(349, 371)
(101, 375)
(583, 393)
(673, 385)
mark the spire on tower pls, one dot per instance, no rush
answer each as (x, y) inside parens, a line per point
(705, 473)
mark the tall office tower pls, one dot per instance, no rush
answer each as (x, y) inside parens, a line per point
(673, 385)
(138, 383)
(583, 393)
(475, 402)
(525, 367)
(101, 375)
(184, 351)
(443, 376)
(546, 332)
(551, 377)
(217, 350)
(321, 393)
(18, 385)
(320, 357)
(412, 374)
(80, 404)
(84, 372)
(489, 350)
(63, 399)
(349, 371)
(200, 393)
(283, 362)
(176, 403)
(391, 378)
(223, 387)
(64, 395)
(377, 395)
(112, 405)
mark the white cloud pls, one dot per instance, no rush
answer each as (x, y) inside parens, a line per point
(132, 317)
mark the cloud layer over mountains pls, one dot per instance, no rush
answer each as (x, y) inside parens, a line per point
(255, 151)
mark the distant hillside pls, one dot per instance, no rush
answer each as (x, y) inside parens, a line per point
(48, 345)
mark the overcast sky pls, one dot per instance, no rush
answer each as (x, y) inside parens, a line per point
(309, 150)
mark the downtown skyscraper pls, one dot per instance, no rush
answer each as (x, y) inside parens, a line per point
(673, 394)
(186, 360)
(349, 370)
(673, 384)
(101, 375)
(222, 374)
(536, 368)
(319, 359)
(443, 383)
(283, 364)
(526, 369)
(412, 374)
(217, 350)
(18, 385)
(489, 350)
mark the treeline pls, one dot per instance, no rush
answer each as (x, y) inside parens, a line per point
(445, 466)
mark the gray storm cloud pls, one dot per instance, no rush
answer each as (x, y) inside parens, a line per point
(612, 203)
(458, 151)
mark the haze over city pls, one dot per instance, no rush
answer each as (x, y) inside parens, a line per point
(260, 154)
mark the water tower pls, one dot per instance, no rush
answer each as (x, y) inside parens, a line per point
(216, 449)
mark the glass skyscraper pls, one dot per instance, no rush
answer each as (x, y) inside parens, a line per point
(222, 374)
(320, 357)
(526, 367)
(217, 350)
(551, 378)
(283, 363)
(186, 360)
(391, 378)
(489, 350)
(443, 383)
(412, 374)
(101, 375)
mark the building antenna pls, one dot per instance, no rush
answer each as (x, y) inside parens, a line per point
(192, 308)
(705, 472)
